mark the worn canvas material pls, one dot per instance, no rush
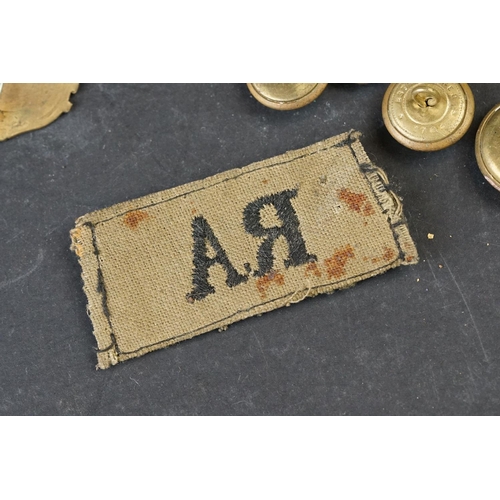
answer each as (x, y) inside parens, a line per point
(198, 257)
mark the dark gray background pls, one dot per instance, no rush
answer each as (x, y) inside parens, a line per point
(417, 340)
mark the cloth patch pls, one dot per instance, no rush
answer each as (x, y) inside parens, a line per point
(198, 257)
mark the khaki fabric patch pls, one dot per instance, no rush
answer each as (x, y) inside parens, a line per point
(198, 257)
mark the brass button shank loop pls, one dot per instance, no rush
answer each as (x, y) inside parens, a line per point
(428, 116)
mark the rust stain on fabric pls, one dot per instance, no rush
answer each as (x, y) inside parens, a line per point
(368, 209)
(132, 219)
(264, 282)
(357, 202)
(389, 254)
(312, 269)
(335, 265)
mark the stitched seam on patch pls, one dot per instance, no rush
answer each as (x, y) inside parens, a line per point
(384, 211)
(100, 281)
(387, 266)
(345, 142)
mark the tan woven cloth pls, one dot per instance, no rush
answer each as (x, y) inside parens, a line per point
(181, 262)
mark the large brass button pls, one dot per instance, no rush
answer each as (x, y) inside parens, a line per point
(428, 116)
(285, 96)
(488, 147)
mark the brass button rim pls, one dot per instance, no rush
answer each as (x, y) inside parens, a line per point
(483, 167)
(445, 142)
(288, 105)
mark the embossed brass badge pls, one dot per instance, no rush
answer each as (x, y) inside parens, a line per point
(201, 256)
(30, 106)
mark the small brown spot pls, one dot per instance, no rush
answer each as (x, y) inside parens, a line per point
(409, 258)
(357, 202)
(389, 254)
(354, 201)
(193, 211)
(368, 209)
(264, 282)
(336, 263)
(375, 260)
(132, 219)
(312, 269)
(265, 181)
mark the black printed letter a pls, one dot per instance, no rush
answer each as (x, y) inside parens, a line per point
(202, 232)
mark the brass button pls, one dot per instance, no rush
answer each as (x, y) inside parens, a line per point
(428, 116)
(285, 96)
(488, 147)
